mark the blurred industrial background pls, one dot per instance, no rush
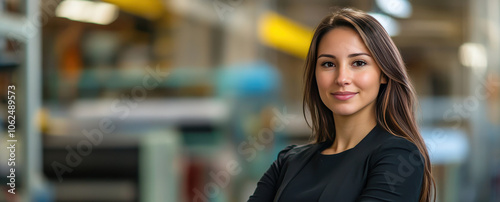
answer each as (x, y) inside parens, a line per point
(191, 100)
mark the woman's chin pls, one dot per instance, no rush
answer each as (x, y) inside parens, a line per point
(343, 112)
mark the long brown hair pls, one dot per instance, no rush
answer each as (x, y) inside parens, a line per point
(396, 100)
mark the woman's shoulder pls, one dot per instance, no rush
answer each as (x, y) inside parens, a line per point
(390, 141)
(396, 147)
(294, 149)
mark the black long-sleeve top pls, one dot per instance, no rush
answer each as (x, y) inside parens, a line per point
(382, 167)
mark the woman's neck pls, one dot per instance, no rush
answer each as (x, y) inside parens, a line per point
(350, 130)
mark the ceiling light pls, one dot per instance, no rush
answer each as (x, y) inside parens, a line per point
(396, 8)
(87, 11)
(473, 55)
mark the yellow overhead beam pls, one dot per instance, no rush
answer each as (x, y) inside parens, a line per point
(149, 9)
(283, 34)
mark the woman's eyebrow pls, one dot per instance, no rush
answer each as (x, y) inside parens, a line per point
(350, 55)
(358, 54)
(326, 55)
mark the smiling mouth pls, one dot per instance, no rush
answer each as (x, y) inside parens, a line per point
(343, 95)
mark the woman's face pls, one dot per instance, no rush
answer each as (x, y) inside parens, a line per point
(347, 75)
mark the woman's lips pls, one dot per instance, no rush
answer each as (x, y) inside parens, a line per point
(344, 95)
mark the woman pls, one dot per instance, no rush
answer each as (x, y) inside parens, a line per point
(367, 144)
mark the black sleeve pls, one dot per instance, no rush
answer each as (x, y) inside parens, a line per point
(268, 183)
(396, 173)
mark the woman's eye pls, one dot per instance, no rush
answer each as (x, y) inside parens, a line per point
(327, 64)
(359, 63)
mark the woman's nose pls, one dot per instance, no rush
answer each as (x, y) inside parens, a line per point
(344, 76)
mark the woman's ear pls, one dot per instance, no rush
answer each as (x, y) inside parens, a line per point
(383, 79)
